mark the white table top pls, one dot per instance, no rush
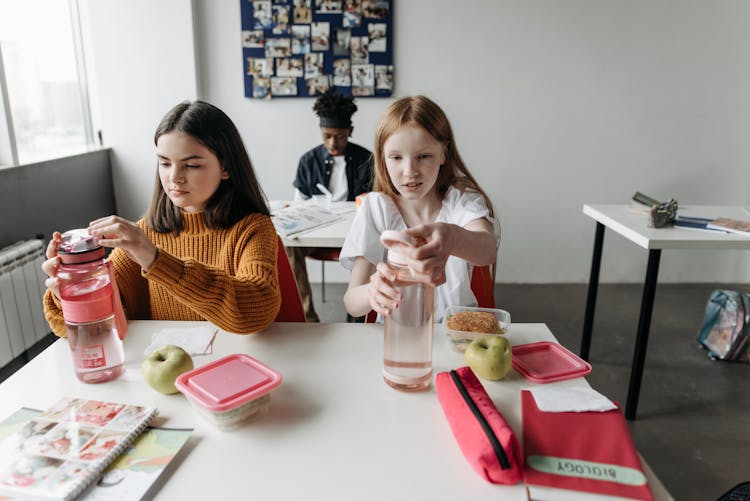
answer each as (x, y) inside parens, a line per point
(334, 429)
(330, 235)
(634, 227)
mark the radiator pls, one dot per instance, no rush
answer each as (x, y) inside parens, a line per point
(22, 321)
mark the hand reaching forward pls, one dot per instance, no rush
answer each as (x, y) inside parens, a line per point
(114, 231)
(436, 242)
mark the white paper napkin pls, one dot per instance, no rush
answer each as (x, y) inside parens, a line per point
(195, 340)
(551, 399)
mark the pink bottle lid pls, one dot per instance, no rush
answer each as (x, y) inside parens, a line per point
(77, 246)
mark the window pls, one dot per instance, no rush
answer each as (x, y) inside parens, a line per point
(42, 81)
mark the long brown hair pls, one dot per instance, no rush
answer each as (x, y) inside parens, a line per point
(236, 197)
(423, 112)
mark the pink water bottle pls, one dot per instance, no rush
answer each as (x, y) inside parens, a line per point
(94, 319)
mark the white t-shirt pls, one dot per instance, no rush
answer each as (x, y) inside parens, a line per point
(379, 213)
(338, 184)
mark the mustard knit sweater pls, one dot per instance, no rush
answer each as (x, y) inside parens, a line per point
(226, 276)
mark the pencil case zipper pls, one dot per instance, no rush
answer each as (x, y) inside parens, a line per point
(502, 457)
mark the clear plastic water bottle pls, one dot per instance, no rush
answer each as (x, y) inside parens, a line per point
(408, 330)
(91, 307)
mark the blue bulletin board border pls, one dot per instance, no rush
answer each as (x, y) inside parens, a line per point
(283, 42)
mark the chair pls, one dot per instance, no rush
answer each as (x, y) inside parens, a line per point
(482, 285)
(323, 255)
(291, 304)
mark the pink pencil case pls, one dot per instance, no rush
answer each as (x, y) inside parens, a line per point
(485, 438)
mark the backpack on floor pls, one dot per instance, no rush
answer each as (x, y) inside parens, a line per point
(726, 326)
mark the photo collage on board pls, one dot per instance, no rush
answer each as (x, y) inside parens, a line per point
(301, 48)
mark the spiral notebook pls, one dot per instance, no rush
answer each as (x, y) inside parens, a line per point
(60, 452)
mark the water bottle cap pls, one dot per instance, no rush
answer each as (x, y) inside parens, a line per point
(391, 237)
(77, 246)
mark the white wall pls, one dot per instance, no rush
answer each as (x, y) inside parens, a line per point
(553, 103)
(142, 64)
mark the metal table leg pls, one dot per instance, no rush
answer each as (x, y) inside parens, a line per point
(641, 340)
(588, 319)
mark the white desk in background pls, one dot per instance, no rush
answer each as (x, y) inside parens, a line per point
(634, 227)
(329, 235)
(334, 429)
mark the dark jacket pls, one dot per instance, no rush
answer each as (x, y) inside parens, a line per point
(315, 167)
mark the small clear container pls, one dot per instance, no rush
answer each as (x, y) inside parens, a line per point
(229, 390)
(482, 318)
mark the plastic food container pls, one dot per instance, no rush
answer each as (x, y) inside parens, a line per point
(462, 338)
(547, 362)
(229, 390)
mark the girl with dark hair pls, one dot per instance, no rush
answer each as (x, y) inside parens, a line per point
(206, 249)
(421, 186)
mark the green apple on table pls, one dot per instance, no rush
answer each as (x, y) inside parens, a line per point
(162, 367)
(490, 357)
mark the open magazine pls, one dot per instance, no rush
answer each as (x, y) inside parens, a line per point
(61, 452)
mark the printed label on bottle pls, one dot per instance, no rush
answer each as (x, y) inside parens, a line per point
(91, 356)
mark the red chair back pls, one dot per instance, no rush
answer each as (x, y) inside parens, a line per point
(483, 286)
(291, 305)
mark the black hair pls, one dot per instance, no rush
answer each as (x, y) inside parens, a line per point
(335, 110)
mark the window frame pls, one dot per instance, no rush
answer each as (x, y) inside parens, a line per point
(9, 156)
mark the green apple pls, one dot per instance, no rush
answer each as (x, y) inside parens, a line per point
(161, 368)
(490, 357)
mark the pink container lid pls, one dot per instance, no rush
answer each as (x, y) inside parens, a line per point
(228, 382)
(547, 362)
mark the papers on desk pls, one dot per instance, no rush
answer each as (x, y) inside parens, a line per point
(195, 341)
(296, 219)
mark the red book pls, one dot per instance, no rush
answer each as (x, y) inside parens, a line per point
(581, 451)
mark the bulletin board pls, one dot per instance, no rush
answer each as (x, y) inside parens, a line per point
(301, 48)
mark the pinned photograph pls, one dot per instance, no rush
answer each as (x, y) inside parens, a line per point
(341, 42)
(302, 11)
(280, 20)
(278, 47)
(321, 35)
(375, 9)
(261, 88)
(262, 14)
(252, 39)
(353, 6)
(351, 19)
(289, 67)
(313, 65)
(328, 7)
(363, 80)
(318, 85)
(360, 54)
(384, 77)
(283, 86)
(300, 39)
(260, 67)
(377, 37)
(342, 73)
